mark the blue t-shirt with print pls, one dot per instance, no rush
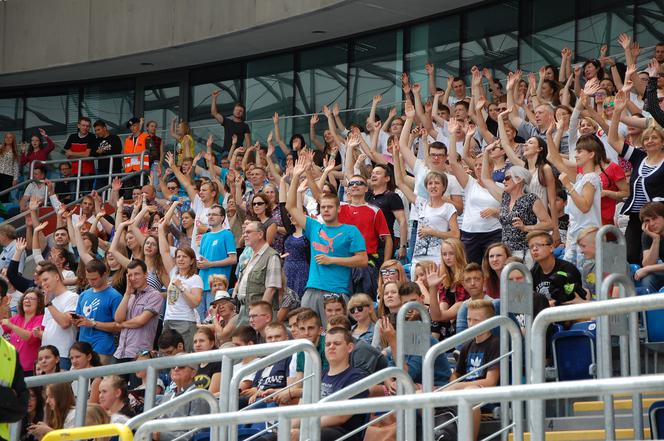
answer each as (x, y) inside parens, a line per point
(99, 306)
(216, 246)
(340, 241)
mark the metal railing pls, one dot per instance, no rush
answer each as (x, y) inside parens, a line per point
(227, 357)
(441, 348)
(299, 346)
(572, 312)
(154, 413)
(90, 432)
(428, 400)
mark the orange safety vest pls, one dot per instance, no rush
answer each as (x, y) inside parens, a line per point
(133, 163)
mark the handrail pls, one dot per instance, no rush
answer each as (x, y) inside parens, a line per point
(435, 351)
(463, 398)
(152, 365)
(400, 358)
(571, 312)
(187, 397)
(313, 385)
(90, 432)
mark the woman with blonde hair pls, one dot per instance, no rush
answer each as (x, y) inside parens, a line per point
(360, 308)
(449, 291)
(391, 271)
(181, 133)
(9, 164)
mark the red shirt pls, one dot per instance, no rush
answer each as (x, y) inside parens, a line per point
(612, 174)
(369, 220)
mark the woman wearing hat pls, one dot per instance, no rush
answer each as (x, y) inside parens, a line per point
(222, 318)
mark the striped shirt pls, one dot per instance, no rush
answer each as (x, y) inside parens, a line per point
(640, 198)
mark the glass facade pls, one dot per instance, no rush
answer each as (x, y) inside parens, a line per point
(499, 35)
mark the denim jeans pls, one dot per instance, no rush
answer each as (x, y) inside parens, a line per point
(653, 281)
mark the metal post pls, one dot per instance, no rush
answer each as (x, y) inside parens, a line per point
(141, 158)
(466, 424)
(150, 388)
(571, 312)
(78, 179)
(224, 396)
(284, 429)
(400, 358)
(81, 400)
(517, 298)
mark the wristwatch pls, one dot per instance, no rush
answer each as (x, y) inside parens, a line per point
(48, 304)
(94, 323)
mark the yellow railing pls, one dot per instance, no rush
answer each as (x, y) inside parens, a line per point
(91, 432)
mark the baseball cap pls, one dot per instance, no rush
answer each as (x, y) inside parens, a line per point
(133, 121)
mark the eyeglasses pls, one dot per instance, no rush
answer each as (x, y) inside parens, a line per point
(257, 204)
(388, 272)
(356, 184)
(507, 178)
(607, 105)
(255, 316)
(532, 246)
(172, 188)
(30, 299)
(358, 308)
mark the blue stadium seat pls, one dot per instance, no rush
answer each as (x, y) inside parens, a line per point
(633, 267)
(406, 269)
(245, 431)
(202, 435)
(656, 418)
(574, 354)
(589, 326)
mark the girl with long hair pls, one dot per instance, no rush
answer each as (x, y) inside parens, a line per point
(35, 150)
(20, 327)
(114, 398)
(209, 374)
(35, 413)
(181, 133)
(492, 264)
(261, 210)
(82, 356)
(9, 164)
(48, 360)
(60, 410)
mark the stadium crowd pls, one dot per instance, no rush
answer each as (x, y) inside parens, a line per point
(327, 239)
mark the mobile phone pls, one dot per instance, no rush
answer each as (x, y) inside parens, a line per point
(74, 315)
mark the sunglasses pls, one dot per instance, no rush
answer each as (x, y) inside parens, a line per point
(172, 188)
(356, 184)
(257, 204)
(358, 308)
(149, 354)
(388, 272)
(607, 105)
(507, 178)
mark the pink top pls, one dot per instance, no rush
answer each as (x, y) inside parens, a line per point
(27, 349)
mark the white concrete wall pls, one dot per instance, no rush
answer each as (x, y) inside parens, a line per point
(38, 34)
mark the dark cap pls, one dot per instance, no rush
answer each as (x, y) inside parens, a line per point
(133, 121)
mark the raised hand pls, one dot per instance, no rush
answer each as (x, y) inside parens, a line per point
(512, 79)
(566, 52)
(336, 109)
(21, 244)
(275, 118)
(209, 143)
(314, 119)
(487, 73)
(620, 101)
(234, 140)
(450, 80)
(433, 277)
(116, 184)
(635, 50)
(33, 204)
(476, 76)
(453, 125)
(631, 69)
(416, 88)
(624, 40)
(591, 87)
(653, 68)
(42, 132)
(409, 110)
(327, 112)
(603, 51)
(41, 227)
(353, 141)
(300, 166)
(429, 69)
(393, 112)
(216, 93)
(627, 86)
(170, 160)
(480, 103)
(377, 99)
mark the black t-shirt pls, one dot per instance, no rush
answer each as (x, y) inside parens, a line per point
(234, 128)
(273, 377)
(333, 383)
(204, 375)
(388, 202)
(474, 355)
(646, 243)
(110, 145)
(560, 284)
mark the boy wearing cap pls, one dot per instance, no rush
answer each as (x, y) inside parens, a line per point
(137, 142)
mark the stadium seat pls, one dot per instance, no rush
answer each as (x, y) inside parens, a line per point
(633, 267)
(653, 323)
(656, 418)
(245, 431)
(574, 354)
(202, 435)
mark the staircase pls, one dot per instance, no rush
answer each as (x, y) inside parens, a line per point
(587, 421)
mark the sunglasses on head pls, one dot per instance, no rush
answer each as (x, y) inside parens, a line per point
(356, 184)
(358, 308)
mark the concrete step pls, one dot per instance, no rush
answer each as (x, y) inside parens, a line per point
(585, 435)
(597, 407)
(585, 422)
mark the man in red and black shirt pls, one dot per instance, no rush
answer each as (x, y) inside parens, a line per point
(371, 222)
(79, 145)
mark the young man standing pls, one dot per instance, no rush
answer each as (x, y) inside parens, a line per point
(96, 311)
(336, 248)
(477, 352)
(137, 314)
(106, 145)
(79, 145)
(60, 304)
(137, 142)
(382, 195)
(557, 279)
(233, 125)
(652, 224)
(217, 254)
(339, 375)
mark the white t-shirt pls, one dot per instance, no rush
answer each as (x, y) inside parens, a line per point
(477, 198)
(177, 307)
(428, 247)
(579, 220)
(201, 218)
(54, 334)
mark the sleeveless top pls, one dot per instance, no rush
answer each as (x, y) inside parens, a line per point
(538, 189)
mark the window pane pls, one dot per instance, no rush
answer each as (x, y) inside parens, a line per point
(321, 81)
(492, 44)
(11, 114)
(113, 103)
(649, 28)
(603, 28)
(376, 69)
(552, 30)
(162, 104)
(57, 114)
(201, 121)
(435, 42)
(269, 89)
